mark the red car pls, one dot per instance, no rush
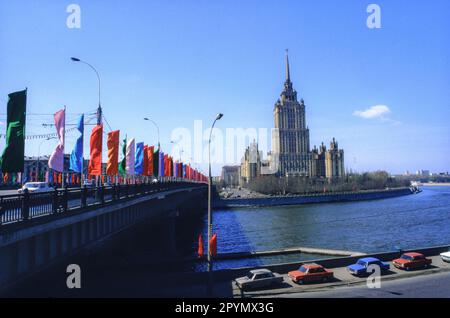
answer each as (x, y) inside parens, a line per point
(412, 261)
(309, 273)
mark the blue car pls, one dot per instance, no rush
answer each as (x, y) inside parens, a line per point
(360, 268)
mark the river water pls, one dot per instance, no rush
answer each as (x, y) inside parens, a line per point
(412, 221)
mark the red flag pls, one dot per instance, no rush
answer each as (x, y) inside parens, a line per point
(112, 167)
(145, 162)
(95, 162)
(166, 166)
(213, 245)
(200, 246)
(149, 155)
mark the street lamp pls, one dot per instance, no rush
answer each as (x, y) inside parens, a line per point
(180, 151)
(99, 109)
(210, 264)
(157, 128)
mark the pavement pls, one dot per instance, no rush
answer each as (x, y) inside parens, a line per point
(430, 282)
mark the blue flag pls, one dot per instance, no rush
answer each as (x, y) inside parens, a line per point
(139, 162)
(76, 157)
(175, 170)
(161, 164)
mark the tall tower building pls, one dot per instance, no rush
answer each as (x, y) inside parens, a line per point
(291, 135)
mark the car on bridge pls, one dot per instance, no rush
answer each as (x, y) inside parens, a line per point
(445, 256)
(258, 278)
(35, 187)
(360, 268)
(311, 273)
(412, 260)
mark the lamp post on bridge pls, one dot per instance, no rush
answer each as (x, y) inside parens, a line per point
(209, 256)
(99, 109)
(157, 129)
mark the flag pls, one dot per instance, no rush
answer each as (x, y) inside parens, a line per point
(139, 163)
(166, 166)
(161, 164)
(213, 245)
(150, 160)
(123, 163)
(112, 168)
(200, 246)
(76, 157)
(145, 162)
(95, 162)
(130, 157)
(56, 161)
(12, 159)
(156, 163)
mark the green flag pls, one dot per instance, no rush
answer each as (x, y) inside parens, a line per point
(123, 163)
(12, 159)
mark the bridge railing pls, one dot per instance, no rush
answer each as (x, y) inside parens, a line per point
(27, 206)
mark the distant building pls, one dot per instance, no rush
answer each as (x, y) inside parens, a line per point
(291, 154)
(230, 175)
(250, 164)
(424, 173)
(291, 140)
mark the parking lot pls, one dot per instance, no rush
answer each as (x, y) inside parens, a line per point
(341, 278)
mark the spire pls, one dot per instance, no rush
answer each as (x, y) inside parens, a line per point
(288, 75)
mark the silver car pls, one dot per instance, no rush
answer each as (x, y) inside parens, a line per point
(258, 278)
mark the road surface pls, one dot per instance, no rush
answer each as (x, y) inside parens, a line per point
(423, 286)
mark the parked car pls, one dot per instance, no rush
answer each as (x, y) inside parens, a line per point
(35, 187)
(258, 278)
(361, 266)
(412, 261)
(445, 256)
(311, 273)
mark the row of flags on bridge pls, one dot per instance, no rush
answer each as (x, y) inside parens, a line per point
(138, 159)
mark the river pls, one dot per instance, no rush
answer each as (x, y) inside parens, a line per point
(412, 221)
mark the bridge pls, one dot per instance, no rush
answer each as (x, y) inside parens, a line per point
(38, 230)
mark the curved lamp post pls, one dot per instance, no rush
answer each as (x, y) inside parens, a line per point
(210, 261)
(99, 110)
(157, 129)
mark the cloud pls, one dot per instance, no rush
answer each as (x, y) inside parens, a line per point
(377, 111)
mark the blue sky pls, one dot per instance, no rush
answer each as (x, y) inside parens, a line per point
(180, 61)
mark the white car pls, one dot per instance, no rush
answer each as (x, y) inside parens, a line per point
(259, 278)
(445, 256)
(35, 187)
